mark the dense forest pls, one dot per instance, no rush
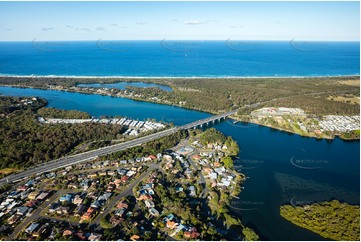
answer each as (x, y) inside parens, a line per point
(217, 95)
(332, 220)
(66, 114)
(25, 141)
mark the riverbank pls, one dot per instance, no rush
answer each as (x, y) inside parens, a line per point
(318, 103)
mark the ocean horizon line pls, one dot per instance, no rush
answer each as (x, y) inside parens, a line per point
(173, 77)
(195, 40)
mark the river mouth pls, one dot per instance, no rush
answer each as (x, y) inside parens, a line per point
(330, 170)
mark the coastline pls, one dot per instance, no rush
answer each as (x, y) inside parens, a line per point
(175, 77)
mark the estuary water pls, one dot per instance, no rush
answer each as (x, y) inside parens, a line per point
(282, 168)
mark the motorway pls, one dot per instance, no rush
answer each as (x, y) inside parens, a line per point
(74, 159)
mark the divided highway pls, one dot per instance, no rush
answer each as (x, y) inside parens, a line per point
(74, 159)
(89, 155)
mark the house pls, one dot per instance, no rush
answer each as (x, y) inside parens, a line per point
(119, 212)
(42, 196)
(72, 186)
(125, 179)
(81, 210)
(80, 235)
(153, 157)
(102, 173)
(67, 198)
(94, 237)
(123, 162)
(42, 230)
(213, 176)
(77, 200)
(154, 212)
(179, 189)
(92, 175)
(122, 204)
(53, 207)
(13, 219)
(31, 228)
(30, 203)
(21, 210)
(207, 170)
(220, 170)
(134, 237)
(193, 234)
(145, 197)
(192, 190)
(63, 210)
(33, 195)
(67, 232)
(115, 220)
(149, 204)
(171, 225)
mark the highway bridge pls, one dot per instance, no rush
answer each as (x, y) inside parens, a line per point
(90, 155)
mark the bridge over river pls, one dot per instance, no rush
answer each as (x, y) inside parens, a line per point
(90, 155)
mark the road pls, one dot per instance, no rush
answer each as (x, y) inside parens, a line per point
(34, 217)
(74, 159)
(127, 191)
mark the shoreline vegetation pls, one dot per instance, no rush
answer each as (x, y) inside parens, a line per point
(332, 220)
(317, 96)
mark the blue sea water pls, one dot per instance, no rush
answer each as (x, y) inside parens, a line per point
(168, 58)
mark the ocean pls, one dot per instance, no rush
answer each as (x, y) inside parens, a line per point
(170, 58)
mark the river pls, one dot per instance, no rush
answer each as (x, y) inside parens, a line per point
(282, 167)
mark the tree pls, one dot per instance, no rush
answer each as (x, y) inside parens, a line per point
(249, 234)
(228, 162)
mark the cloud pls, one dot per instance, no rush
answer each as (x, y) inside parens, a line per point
(9, 29)
(83, 29)
(47, 29)
(140, 23)
(174, 20)
(68, 26)
(194, 22)
(236, 27)
(100, 28)
(113, 24)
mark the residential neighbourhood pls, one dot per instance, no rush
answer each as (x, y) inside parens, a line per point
(159, 196)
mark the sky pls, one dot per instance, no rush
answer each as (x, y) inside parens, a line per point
(26, 21)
